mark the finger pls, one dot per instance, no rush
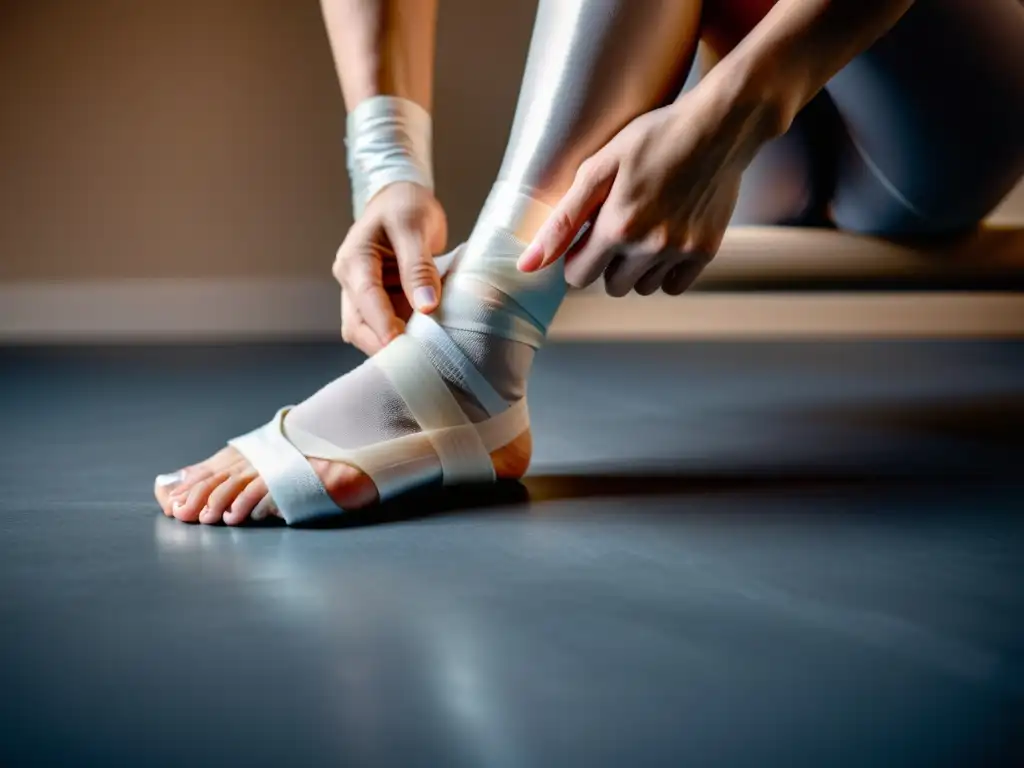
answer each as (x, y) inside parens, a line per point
(638, 260)
(622, 274)
(356, 332)
(589, 189)
(366, 341)
(683, 275)
(420, 279)
(590, 263)
(655, 277)
(363, 285)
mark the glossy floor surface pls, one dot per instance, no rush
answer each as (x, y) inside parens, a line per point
(726, 554)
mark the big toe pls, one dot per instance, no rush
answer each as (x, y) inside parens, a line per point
(175, 486)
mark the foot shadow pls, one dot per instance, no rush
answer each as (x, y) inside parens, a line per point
(994, 422)
(522, 497)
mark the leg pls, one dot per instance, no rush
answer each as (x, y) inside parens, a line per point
(931, 113)
(934, 111)
(593, 66)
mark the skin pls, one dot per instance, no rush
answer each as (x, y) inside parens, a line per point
(660, 194)
(381, 47)
(385, 265)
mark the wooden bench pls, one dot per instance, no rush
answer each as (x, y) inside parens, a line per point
(786, 282)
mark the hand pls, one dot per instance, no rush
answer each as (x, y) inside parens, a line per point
(658, 197)
(386, 265)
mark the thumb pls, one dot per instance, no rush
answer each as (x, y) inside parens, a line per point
(420, 279)
(588, 191)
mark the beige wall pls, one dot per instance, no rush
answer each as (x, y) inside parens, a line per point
(204, 137)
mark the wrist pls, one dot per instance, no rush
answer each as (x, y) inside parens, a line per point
(737, 113)
(388, 140)
(754, 93)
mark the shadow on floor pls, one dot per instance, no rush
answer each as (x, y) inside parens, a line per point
(992, 425)
(521, 497)
(993, 421)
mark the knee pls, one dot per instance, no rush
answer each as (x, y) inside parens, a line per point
(866, 202)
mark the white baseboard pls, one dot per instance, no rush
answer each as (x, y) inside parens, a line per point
(168, 309)
(270, 308)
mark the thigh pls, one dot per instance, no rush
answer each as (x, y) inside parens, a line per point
(934, 113)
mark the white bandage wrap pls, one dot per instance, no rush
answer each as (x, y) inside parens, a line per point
(388, 139)
(440, 400)
(487, 293)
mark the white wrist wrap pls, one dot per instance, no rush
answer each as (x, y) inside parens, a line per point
(388, 140)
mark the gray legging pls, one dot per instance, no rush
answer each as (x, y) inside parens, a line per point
(921, 135)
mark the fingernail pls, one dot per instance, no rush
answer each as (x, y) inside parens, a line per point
(177, 506)
(531, 258)
(170, 480)
(424, 296)
(204, 514)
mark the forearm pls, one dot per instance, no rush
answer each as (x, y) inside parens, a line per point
(383, 48)
(793, 52)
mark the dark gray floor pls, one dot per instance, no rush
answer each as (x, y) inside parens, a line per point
(799, 555)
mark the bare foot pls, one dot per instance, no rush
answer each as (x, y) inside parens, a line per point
(225, 487)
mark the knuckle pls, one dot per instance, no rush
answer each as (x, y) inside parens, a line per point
(344, 260)
(619, 229)
(365, 288)
(360, 285)
(561, 226)
(657, 240)
(419, 272)
(589, 171)
(411, 217)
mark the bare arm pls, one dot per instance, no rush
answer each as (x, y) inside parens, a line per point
(795, 50)
(664, 189)
(383, 48)
(384, 55)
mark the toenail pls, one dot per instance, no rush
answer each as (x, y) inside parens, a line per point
(170, 480)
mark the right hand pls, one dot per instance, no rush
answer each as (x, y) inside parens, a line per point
(385, 265)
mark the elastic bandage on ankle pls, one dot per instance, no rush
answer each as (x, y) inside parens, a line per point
(486, 292)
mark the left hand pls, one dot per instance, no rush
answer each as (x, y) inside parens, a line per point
(658, 197)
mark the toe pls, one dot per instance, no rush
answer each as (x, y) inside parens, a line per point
(165, 485)
(188, 510)
(175, 486)
(246, 501)
(171, 491)
(223, 496)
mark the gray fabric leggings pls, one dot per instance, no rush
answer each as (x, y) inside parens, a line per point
(921, 135)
